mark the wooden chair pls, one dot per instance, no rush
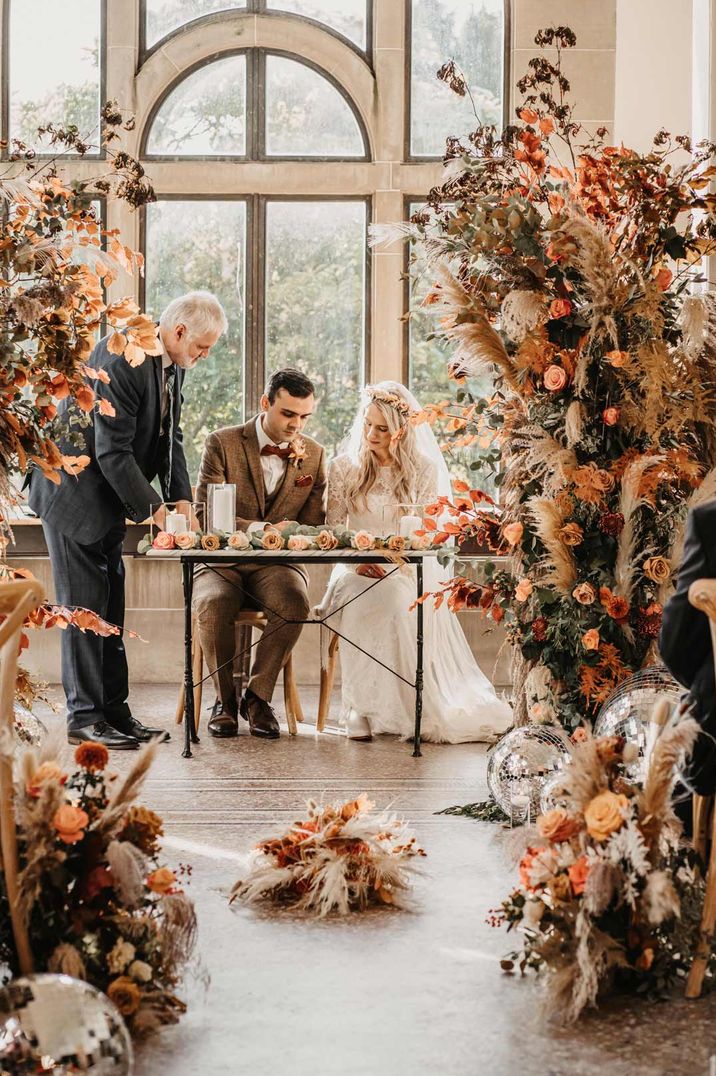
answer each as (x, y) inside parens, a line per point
(328, 675)
(246, 621)
(702, 595)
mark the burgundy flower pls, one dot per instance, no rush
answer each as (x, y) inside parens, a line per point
(539, 628)
(648, 621)
(611, 523)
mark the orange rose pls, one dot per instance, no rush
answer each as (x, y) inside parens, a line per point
(210, 542)
(43, 775)
(92, 756)
(560, 308)
(185, 540)
(611, 415)
(602, 480)
(523, 590)
(572, 534)
(617, 358)
(584, 593)
(163, 540)
(125, 994)
(513, 533)
(161, 880)
(657, 569)
(326, 540)
(363, 541)
(555, 378)
(70, 823)
(603, 815)
(557, 826)
(272, 539)
(590, 639)
(578, 874)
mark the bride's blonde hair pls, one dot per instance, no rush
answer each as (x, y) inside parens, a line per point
(403, 448)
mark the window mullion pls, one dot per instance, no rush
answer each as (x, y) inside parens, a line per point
(255, 303)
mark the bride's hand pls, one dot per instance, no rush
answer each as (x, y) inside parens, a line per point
(372, 571)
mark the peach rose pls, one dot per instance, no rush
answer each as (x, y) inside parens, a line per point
(186, 540)
(590, 639)
(299, 542)
(210, 542)
(513, 533)
(611, 415)
(326, 541)
(657, 569)
(617, 358)
(604, 814)
(421, 541)
(557, 826)
(560, 308)
(578, 874)
(362, 540)
(523, 590)
(397, 543)
(272, 539)
(238, 540)
(584, 593)
(579, 735)
(161, 880)
(70, 823)
(555, 378)
(163, 540)
(43, 775)
(572, 534)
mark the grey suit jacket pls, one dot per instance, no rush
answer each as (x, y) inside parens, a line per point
(124, 454)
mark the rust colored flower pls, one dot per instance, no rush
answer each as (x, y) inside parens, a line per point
(604, 815)
(610, 415)
(590, 639)
(143, 828)
(645, 958)
(572, 534)
(560, 308)
(513, 533)
(557, 826)
(161, 880)
(70, 823)
(648, 621)
(617, 607)
(578, 874)
(663, 279)
(602, 480)
(617, 358)
(210, 542)
(560, 888)
(611, 523)
(163, 540)
(45, 773)
(555, 378)
(584, 593)
(99, 878)
(125, 994)
(657, 569)
(539, 629)
(92, 756)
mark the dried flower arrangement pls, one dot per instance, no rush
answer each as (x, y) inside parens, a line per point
(608, 896)
(340, 859)
(568, 281)
(93, 894)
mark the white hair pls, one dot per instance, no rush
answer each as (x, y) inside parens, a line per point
(200, 311)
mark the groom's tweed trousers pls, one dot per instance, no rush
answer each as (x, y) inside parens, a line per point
(232, 455)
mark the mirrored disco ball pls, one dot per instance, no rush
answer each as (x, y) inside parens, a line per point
(29, 730)
(52, 1023)
(552, 795)
(627, 711)
(520, 764)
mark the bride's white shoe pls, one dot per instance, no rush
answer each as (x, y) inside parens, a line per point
(357, 727)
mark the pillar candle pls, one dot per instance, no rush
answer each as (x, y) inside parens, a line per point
(409, 525)
(223, 514)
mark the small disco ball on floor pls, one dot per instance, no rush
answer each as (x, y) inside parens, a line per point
(53, 1023)
(627, 711)
(522, 762)
(29, 730)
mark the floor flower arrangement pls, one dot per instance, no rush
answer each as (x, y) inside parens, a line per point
(339, 859)
(607, 896)
(98, 900)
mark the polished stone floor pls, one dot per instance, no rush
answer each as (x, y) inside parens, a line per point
(384, 994)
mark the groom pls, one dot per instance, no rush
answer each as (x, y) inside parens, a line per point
(279, 476)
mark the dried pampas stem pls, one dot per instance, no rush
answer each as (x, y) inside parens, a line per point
(522, 313)
(558, 565)
(629, 502)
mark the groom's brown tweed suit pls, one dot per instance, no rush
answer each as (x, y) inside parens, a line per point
(232, 455)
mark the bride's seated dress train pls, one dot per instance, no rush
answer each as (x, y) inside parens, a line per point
(459, 702)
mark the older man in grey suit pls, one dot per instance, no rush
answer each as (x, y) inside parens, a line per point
(84, 518)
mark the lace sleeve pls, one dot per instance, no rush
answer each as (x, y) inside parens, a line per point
(337, 506)
(427, 484)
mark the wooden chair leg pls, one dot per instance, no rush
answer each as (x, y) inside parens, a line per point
(293, 689)
(695, 980)
(328, 675)
(289, 697)
(700, 825)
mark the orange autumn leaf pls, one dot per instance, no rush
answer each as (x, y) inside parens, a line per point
(134, 354)
(546, 125)
(106, 408)
(85, 398)
(459, 486)
(528, 115)
(116, 344)
(75, 464)
(97, 375)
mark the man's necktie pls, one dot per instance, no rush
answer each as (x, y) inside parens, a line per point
(274, 450)
(167, 426)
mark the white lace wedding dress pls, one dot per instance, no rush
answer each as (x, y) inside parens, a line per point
(459, 702)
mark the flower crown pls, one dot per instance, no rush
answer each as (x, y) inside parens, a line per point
(392, 400)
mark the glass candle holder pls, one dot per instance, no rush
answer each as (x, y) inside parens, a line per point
(221, 507)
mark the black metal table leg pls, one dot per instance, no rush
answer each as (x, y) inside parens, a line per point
(189, 716)
(419, 665)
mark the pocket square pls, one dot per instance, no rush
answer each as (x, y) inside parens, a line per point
(304, 480)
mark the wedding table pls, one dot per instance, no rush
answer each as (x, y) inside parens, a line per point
(192, 559)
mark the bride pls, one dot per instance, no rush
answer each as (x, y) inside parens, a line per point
(389, 460)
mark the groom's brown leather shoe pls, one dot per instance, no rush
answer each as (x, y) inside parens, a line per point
(260, 716)
(222, 722)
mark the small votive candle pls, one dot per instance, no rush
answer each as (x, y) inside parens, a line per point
(176, 523)
(520, 809)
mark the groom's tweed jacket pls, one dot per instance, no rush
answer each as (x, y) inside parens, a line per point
(232, 455)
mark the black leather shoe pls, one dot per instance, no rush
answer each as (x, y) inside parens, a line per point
(129, 726)
(260, 716)
(222, 722)
(103, 733)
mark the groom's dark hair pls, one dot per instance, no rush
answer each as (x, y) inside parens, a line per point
(293, 381)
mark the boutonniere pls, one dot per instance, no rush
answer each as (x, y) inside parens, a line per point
(304, 480)
(297, 452)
